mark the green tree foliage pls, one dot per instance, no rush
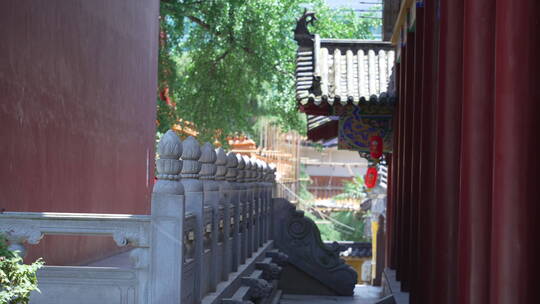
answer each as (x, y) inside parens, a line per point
(17, 280)
(226, 63)
(357, 220)
(332, 232)
(304, 181)
(354, 189)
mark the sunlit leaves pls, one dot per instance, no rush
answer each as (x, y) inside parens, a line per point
(229, 62)
(17, 280)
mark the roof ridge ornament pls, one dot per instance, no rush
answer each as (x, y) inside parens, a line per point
(301, 32)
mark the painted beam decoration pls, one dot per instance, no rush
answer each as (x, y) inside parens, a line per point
(356, 129)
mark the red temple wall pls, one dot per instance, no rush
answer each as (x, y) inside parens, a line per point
(77, 112)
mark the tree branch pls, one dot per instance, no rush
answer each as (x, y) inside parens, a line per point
(185, 3)
(200, 22)
(231, 39)
(248, 50)
(222, 56)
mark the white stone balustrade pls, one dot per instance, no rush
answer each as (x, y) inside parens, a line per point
(21, 227)
(210, 224)
(213, 223)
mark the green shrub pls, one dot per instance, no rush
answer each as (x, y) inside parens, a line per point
(17, 280)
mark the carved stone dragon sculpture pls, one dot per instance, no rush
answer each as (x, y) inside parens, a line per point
(300, 239)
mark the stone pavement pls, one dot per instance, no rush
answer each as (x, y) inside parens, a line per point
(363, 294)
(392, 286)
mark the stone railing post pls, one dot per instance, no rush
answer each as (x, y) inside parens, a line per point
(167, 224)
(266, 201)
(248, 185)
(232, 174)
(242, 198)
(252, 197)
(212, 270)
(193, 191)
(262, 203)
(225, 225)
(256, 204)
(271, 179)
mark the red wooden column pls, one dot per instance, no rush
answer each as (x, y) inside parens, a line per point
(476, 151)
(395, 178)
(399, 196)
(515, 223)
(416, 281)
(448, 149)
(389, 212)
(427, 163)
(407, 158)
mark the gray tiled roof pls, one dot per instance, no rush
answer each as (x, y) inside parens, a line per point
(344, 71)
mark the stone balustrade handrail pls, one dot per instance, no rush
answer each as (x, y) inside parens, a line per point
(30, 227)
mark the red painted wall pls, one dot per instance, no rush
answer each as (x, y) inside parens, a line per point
(77, 111)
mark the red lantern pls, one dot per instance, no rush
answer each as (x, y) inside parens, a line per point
(375, 146)
(370, 179)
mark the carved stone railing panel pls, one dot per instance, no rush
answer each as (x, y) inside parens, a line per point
(208, 228)
(243, 232)
(189, 259)
(61, 285)
(249, 227)
(299, 238)
(220, 254)
(232, 232)
(86, 285)
(221, 225)
(227, 258)
(207, 263)
(189, 238)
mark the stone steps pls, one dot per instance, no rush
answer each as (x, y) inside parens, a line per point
(260, 286)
